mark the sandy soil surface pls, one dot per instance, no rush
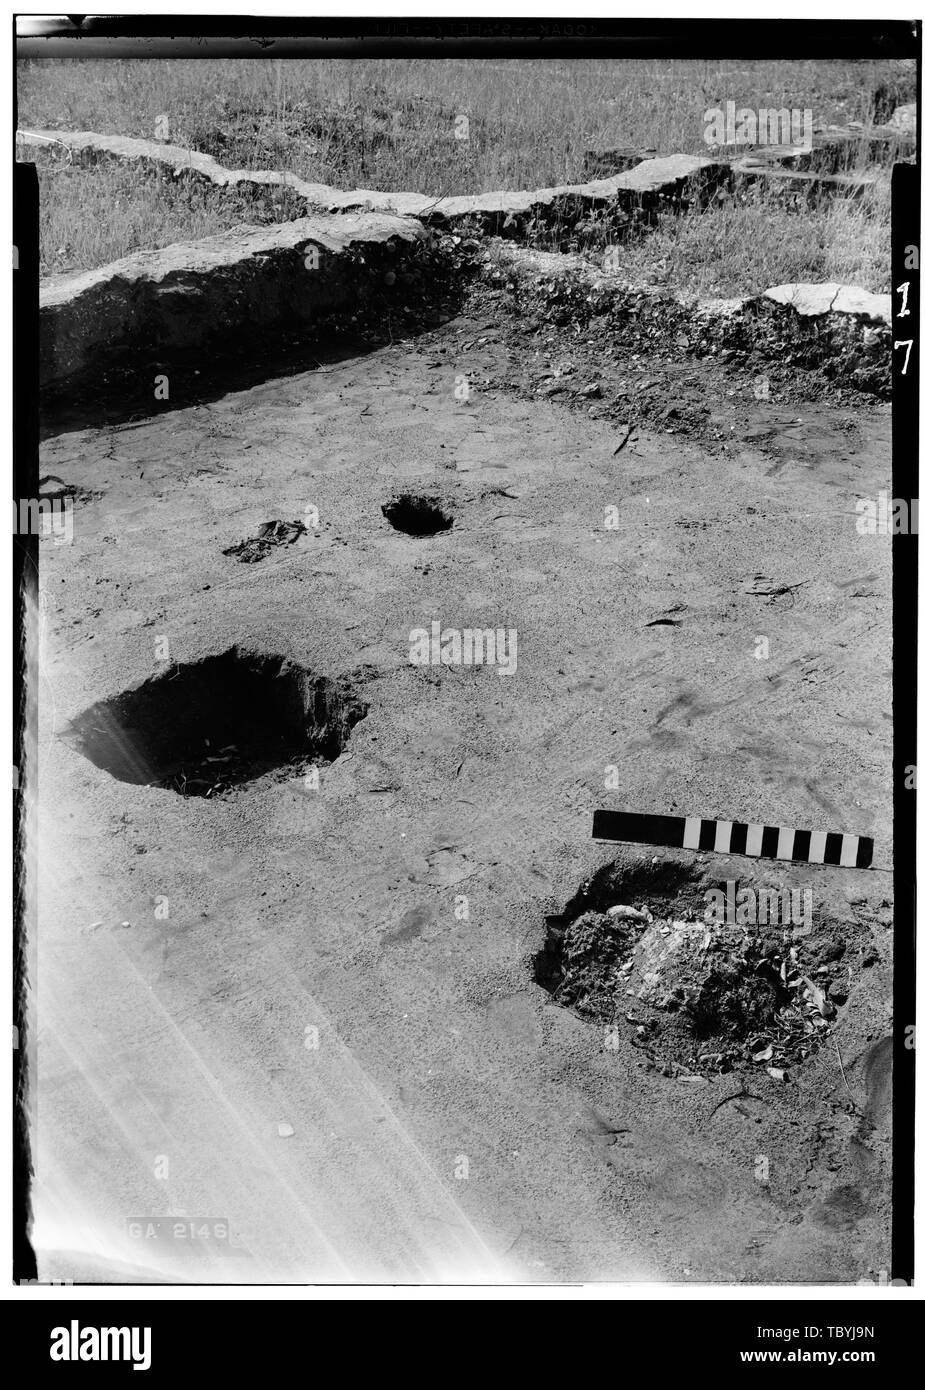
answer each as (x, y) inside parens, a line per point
(454, 1121)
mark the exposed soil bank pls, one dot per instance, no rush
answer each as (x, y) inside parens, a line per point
(326, 275)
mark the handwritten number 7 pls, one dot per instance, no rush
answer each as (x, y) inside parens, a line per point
(907, 344)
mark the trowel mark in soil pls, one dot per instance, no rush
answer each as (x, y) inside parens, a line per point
(416, 516)
(214, 724)
(270, 534)
(639, 948)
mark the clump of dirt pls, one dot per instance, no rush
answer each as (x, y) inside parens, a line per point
(57, 490)
(698, 993)
(270, 535)
(593, 950)
(416, 516)
(206, 727)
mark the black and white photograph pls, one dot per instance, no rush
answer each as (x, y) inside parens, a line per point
(465, 509)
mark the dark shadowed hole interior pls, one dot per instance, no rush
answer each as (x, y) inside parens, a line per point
(216, 723)
(416, 516)
(733, 1002)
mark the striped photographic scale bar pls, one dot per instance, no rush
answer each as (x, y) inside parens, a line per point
(736, 837)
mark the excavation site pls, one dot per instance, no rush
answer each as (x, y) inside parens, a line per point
(410, 530)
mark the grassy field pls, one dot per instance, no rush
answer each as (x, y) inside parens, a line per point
(745, 248)
(91, 216)
(393, 125)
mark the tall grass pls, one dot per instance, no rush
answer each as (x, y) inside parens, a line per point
(393, 125)
(744, 248)
(91, 216)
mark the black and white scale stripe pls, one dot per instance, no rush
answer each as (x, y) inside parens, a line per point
(735, 837)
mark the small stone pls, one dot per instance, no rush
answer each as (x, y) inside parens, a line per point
(285, 1131)
(633, 914)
